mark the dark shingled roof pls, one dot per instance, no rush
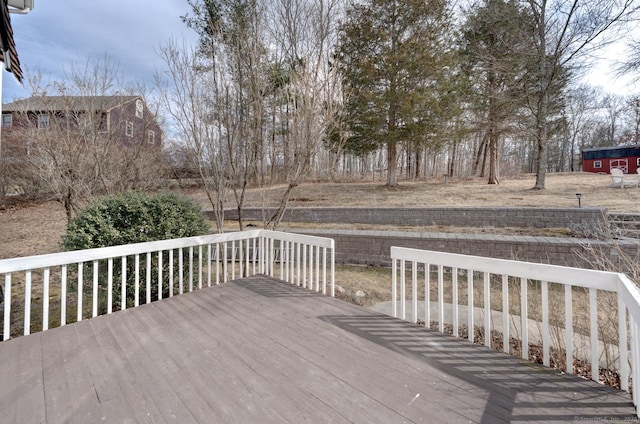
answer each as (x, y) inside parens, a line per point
(8, 52)
(69, 103)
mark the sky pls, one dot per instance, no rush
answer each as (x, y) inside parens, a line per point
(58, 34)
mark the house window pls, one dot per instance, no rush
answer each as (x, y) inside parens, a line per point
(151, 137)
(7, 120)
(43, 120)
(597, 164)
(128, 128)
(139, 109)
(638, 162)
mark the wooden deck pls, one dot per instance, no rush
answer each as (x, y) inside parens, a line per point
(259, 351)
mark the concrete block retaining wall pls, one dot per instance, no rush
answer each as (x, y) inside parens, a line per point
(454, 216)
(374, 247)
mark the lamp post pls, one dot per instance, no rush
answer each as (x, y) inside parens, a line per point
(579, 196)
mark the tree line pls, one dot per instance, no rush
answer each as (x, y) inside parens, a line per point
(281, 91)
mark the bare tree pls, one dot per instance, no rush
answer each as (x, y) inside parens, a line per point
(566, 32)
(73, 144)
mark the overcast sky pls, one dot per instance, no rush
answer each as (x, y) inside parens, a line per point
(60, 33)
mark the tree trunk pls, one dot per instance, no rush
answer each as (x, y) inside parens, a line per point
(392, 158)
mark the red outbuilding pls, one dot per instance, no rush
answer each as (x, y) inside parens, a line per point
(604, 159)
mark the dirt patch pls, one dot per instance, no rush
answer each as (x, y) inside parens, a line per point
(31, 228)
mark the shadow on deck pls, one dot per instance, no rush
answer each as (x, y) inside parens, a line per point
(260, 350)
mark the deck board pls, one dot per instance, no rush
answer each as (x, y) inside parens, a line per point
(260, 350)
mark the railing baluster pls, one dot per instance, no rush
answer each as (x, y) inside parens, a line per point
(593, 323)
(63, 295)
(240, 259)
(217, 263)
(123, 288)
(317, 269)
(524, 318)
(181, 271)
(45, 300)
(505, 314)
(208, 265)
(414, 291)
(440, 298)
(80, 289)
(27, 303)
(304, 265)
(394, 287)
(159, 275)
(6, 334)
(110, 285)
(470, 323)
(454, 300)
(311, 265)
(487, 310)
(94, 301)
(403, 288)
(224, 262)
(171, 272)
(324, 270)
(427, 295)
(148, 278)
(233, 260)
(136, 287)
(200, 268)
(297, 264)
(622, 344)
(546, 359)
(191, 268)
(568, 325)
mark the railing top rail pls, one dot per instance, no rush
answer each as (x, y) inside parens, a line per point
(79, 256)
(302, 238)
(601, 280)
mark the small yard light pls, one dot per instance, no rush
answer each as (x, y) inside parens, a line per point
(579, 196)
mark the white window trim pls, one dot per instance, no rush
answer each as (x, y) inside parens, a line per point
(43, 120)
(151, 137)
(128, 128)
(139, 109)
(597, 164)
(9, 122)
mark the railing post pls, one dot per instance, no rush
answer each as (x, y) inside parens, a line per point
(394, 287)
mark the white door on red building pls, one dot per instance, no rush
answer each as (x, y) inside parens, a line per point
(622, 164)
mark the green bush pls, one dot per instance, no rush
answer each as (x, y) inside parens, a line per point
(133, 217)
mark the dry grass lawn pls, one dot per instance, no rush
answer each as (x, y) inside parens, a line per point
(560, 191)
(32, 229)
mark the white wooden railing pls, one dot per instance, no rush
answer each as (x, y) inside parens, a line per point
(536, 283)
(152, 271)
